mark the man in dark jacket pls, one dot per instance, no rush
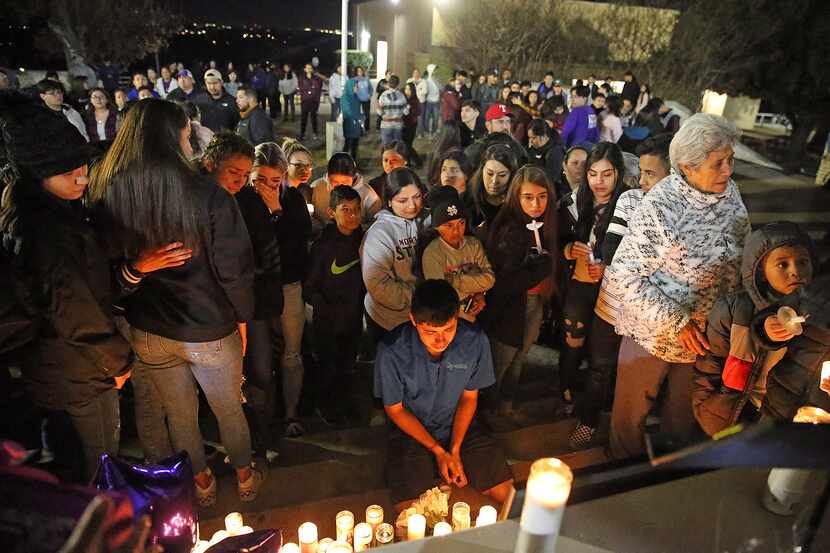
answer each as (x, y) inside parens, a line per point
(795, 380)
(631, 88)
(255, 126)
(187, 91)
(472, 127)
(219, 111)
(310, 86)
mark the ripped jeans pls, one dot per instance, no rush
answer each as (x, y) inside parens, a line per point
(577, 314)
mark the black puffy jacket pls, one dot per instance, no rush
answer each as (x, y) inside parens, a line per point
(734, 348)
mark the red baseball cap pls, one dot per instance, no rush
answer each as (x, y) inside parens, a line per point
(497, 111)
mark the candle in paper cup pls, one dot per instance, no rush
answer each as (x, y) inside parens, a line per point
(362, 536)
(290, 547)
(548, 488)
(416, 527)
(307, 536)
(384, 533)
(460, 516)
(323, 545)
(344, 522)
(233, 523)
(442, 529)
(486, 515)
(339, 547)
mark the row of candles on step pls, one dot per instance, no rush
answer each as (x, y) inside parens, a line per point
(353, 537)
(547, 491)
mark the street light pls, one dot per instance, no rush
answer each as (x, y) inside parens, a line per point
(344, 38)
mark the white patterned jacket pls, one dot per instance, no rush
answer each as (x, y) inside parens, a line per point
(682, 252)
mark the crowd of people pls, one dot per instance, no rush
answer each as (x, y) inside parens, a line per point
(195, 238)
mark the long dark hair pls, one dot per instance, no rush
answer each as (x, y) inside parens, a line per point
(397, 180)
(141, 188)
(508, 229)
(585, 196)
(498, 152)
(456, 154)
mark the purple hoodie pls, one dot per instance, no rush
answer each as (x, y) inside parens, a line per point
(580, 126)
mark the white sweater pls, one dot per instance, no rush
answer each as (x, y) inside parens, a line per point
(682, 252)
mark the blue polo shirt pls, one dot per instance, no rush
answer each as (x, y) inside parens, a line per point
(431, 388)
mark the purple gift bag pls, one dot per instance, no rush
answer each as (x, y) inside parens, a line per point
(164, 491)
(261, 541)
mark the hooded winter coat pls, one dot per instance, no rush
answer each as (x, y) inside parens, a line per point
(795, 380)
(386, 256)
(734, 371)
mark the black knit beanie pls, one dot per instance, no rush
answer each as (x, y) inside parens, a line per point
(446, 205)
(38, 140)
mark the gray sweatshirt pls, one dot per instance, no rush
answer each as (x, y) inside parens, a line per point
(386, 259)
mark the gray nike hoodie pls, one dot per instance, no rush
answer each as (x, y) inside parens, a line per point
(386, 259)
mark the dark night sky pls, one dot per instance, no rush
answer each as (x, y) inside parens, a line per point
(275, 13)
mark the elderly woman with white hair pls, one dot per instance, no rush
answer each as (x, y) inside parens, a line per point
(682, 252)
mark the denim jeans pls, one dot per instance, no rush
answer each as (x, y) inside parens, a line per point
(390, 135)
(508, 361)
(288, 100)
(150, 421)
(96, 424)
(335, 109)
(175, 368)
(308, 110)
(431, 117)
(260, 388)
(293, 323)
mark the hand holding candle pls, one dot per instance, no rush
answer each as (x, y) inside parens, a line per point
(534, 227)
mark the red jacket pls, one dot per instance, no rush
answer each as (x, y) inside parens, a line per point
(450, 104)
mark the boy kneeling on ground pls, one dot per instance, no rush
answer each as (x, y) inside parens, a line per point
(428, 375)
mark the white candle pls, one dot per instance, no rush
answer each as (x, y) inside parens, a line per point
(362, 536)
(339, 547)
(310, 208)
(344, 522)
(233, 523)
(324, 544)
(442, 529)
(460, 516)
(218, 536)
(486, 515)
(245, 530)
(535, 226)
(374, 515)
(307, 536)
(548, 488)
(416, 527)
(384, 533)
(290, 547)
(824, 382)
